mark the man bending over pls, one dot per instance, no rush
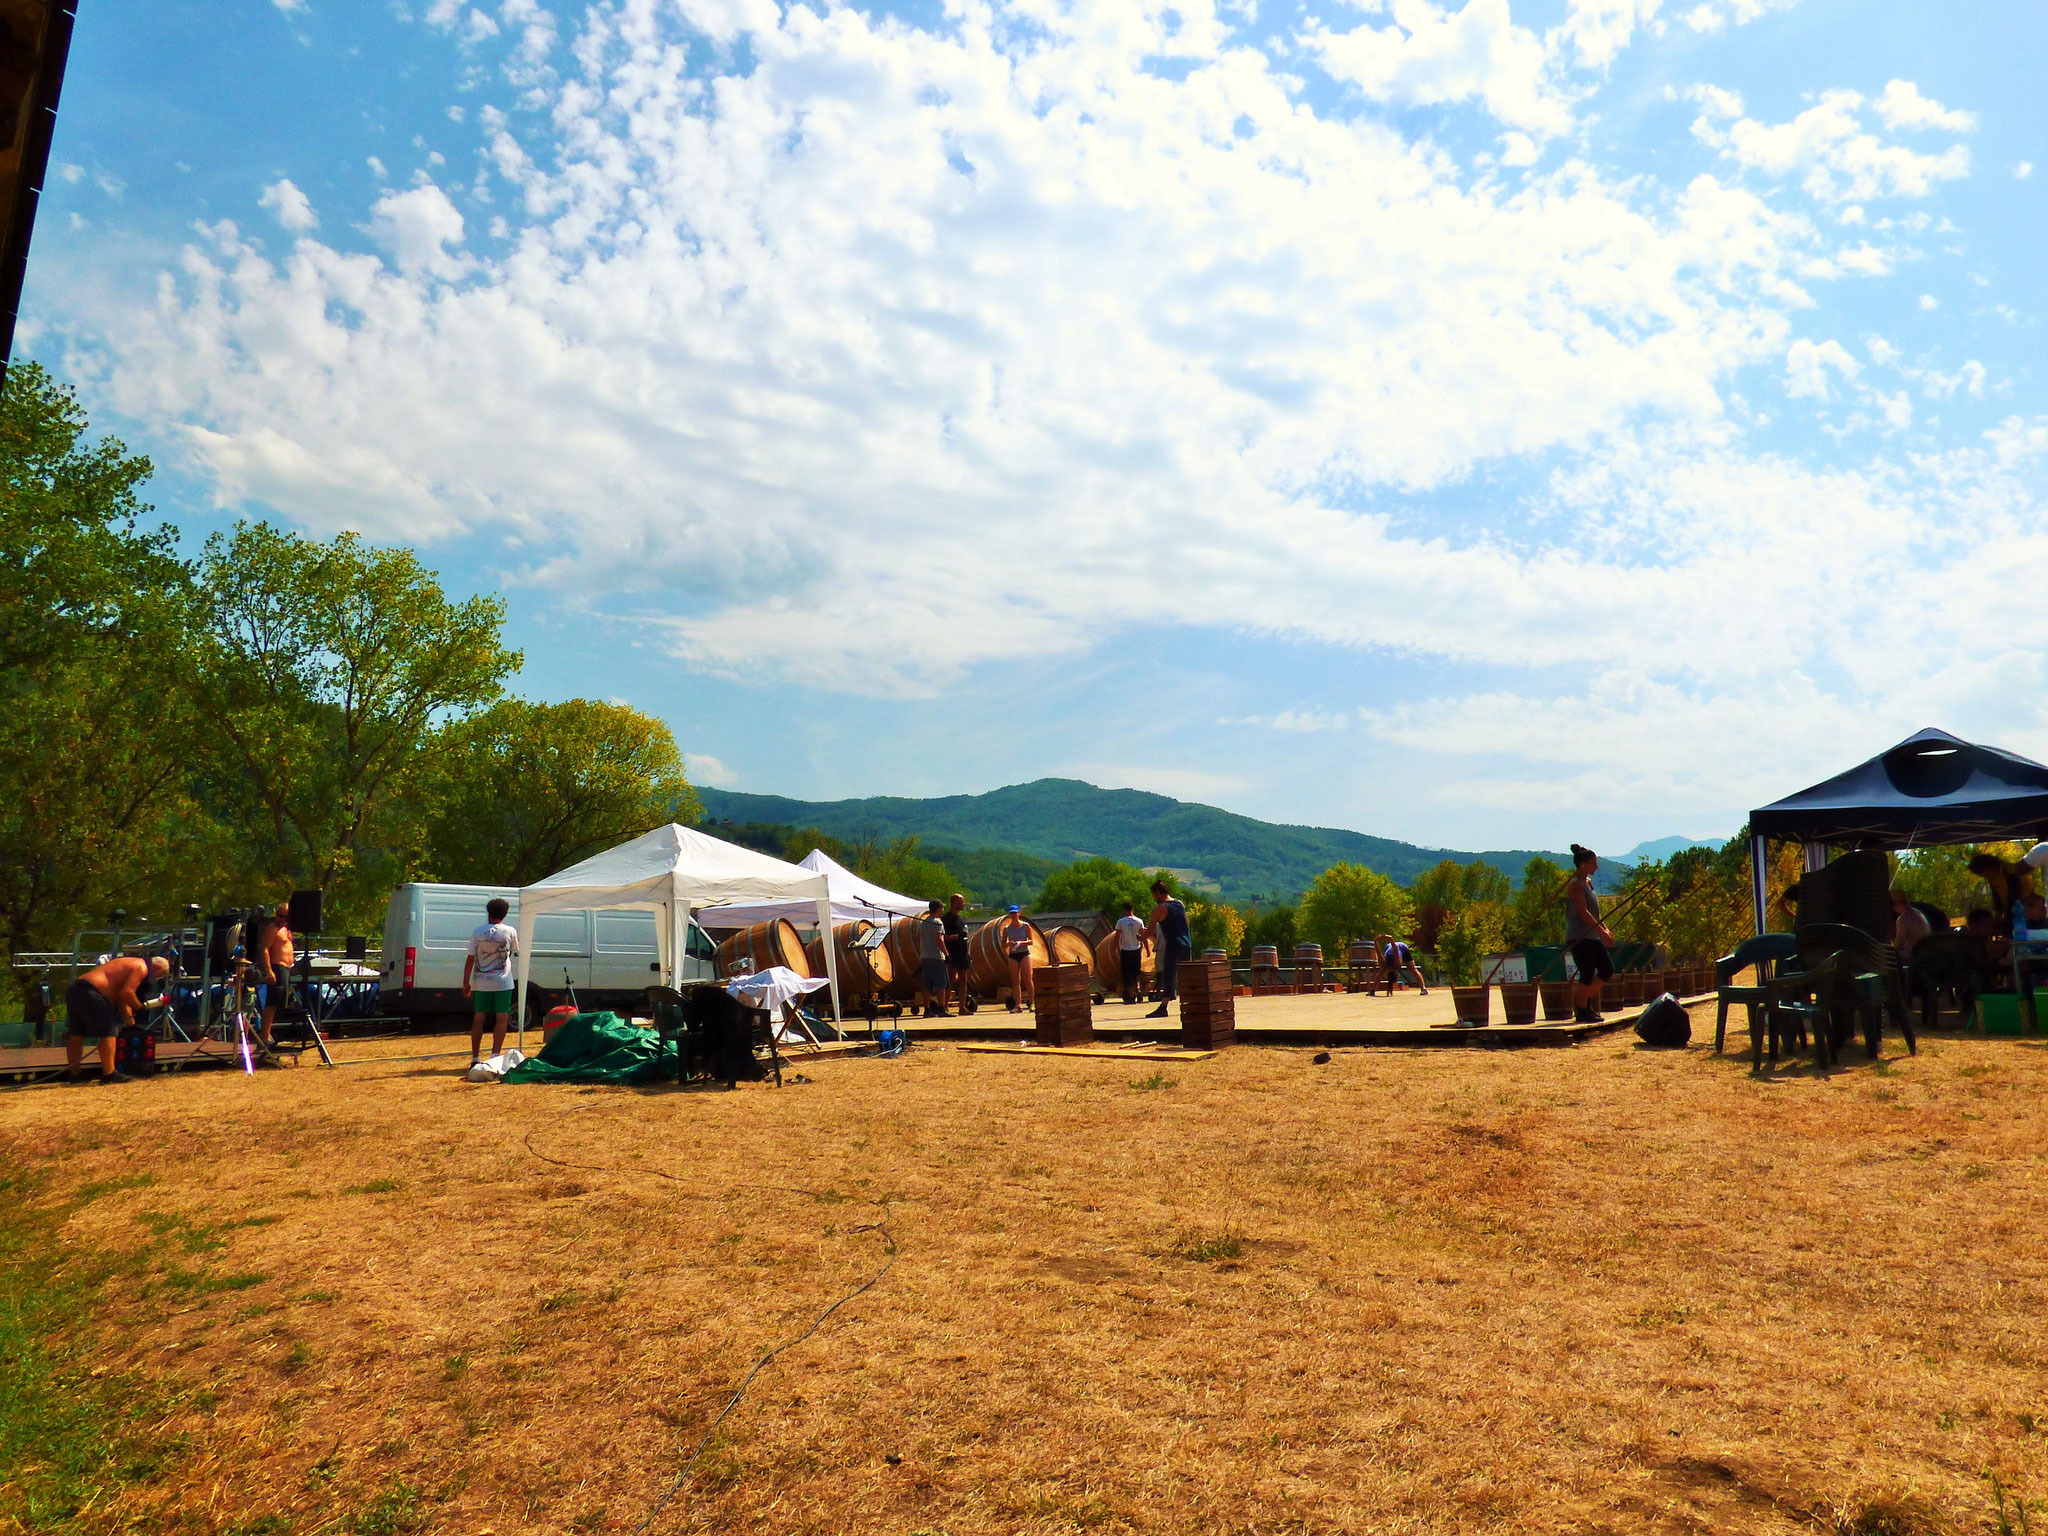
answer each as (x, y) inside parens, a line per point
(100, 1002)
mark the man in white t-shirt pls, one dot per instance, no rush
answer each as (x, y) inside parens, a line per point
(487, 977)
(1133, 938)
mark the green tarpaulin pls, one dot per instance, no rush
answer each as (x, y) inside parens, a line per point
(599, 1048)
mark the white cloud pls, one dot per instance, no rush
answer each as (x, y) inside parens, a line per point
(1432, 57)
(294, 213)
(71, 172)
(753, 351)
(2023, 170)
(1929, 301)
(289, 6)
(1296, 721)
(1841, 160)
(417, 227)
(703, 768)
(1807, 365)
(1901, 105)
(376, 168)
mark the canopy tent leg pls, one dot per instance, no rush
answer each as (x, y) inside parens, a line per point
(519, 995)
(831, 948)
(1758, 853)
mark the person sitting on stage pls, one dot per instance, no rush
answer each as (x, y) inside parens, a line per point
(271, 958)
(100, 1001)
(1396, 961)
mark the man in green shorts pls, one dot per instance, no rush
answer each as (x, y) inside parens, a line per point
(487, 977)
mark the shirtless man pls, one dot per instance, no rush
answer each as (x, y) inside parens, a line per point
(100, 1002)
(272, 960)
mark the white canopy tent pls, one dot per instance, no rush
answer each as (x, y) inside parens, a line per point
(674, 870)
(852, 899)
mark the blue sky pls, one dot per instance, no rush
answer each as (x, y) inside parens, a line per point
(1490, 426)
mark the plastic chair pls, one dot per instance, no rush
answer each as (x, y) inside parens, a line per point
(1766, 951)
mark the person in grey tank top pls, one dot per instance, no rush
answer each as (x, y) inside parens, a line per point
(1586, 936)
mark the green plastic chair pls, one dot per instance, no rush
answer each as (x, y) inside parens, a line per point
(1766, 951)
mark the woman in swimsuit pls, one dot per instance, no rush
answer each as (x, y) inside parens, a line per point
(1016, 936)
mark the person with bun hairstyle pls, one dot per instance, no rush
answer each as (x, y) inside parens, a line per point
(1586, 936)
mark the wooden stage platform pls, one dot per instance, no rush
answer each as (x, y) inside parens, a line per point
(45, 1061)
(1406, 1020)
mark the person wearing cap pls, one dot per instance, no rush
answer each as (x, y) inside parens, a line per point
(1016, 936)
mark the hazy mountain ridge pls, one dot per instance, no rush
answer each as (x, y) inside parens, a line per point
(1063, 819)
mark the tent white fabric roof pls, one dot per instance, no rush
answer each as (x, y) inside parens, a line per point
(853, 898)
(675, 869)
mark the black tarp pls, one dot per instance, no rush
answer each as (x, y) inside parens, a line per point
(1931, 788)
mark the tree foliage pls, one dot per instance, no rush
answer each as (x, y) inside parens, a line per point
(1537, 914)
(520, 790)
(1349, 901)
(1100, 885)
(1276, 927)
(319, 671)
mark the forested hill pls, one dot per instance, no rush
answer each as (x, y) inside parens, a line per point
(1065, 819)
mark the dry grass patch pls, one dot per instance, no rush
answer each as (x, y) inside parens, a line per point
(1577, 1291)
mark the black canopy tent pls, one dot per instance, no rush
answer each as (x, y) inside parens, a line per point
(1931, 788)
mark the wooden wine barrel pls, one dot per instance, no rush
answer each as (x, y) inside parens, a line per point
(988, 969)
(1109, 964)
(1070, 946)
(905, 975)
(761, 946)
(1266, 955)
(853, 968)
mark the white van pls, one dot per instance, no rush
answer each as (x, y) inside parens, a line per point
(608, 954)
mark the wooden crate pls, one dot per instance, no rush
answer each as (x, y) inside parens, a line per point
(1064, 1004)
(1208, 1005)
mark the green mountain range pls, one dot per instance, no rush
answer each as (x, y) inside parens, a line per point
(1060, 820)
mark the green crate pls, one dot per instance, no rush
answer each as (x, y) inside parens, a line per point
(2001, 1013)
(17, 1037)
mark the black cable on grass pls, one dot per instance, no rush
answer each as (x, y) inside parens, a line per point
(732, 1402)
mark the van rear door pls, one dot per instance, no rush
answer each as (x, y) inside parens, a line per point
(626, 957)
(559, 945)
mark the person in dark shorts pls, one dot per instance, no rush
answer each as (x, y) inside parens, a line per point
(99, 1002)
(1133, 938)
(1016, 936)
(1586, 936)
(931, 961)
(1176, 943)
(955, 924)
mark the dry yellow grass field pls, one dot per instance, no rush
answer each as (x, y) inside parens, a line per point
(1597, 1289)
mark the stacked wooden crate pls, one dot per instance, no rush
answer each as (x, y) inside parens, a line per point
(1063, 1004)
(1208, 1010)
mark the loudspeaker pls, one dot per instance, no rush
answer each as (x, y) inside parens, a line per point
(223, 938)
(305, 911)
(357, 947)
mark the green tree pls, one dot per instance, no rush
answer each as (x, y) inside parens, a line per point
(1941, 876)
(1100, 885)
(1349, 901)
(520, 790)
(75, 565)
(1536, 916)
(94, 804)
(1442, 885)
(1276, 927)
(1213, 925)
(319, 672)
(1467, 940)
